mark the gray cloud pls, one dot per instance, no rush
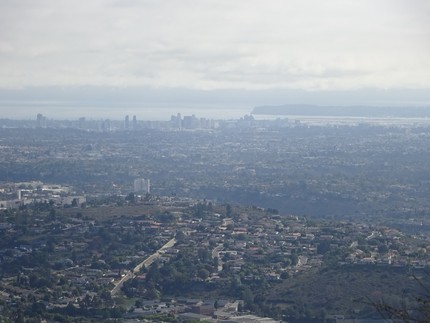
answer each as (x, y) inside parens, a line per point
(223, 44)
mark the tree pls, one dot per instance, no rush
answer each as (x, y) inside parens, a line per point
(153, 293)
(167, 217)
(203, 274)
(180, 236)
(204, 254)
(418, 311)
(284, 275)
(248, 298)
(323, 247)
(294, 259)
(131, 197)
(228, 210)
(153, 274)
(75, 202)
(52, 215)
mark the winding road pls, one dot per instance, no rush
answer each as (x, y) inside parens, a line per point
(146, 263)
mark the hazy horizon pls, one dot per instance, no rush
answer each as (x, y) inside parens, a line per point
(119, 55)
(159, 104)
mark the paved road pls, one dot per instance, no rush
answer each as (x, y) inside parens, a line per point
(215, 253)
(147, 262)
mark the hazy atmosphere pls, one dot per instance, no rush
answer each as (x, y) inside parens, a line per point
(71, 58)
(224, 161)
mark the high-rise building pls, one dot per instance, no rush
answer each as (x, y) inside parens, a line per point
(190, 122)
(134, 123)
(142, 185)
(106, 126)
(81, 123)
(176, 121)
(41, 121)
(127, 122)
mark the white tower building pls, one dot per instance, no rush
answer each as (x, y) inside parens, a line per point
(142, 185)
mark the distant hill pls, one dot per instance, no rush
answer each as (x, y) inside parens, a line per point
(343, 111)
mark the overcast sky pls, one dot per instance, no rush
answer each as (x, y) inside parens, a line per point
(205, 45)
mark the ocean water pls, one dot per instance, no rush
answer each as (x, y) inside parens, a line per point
(345, 120)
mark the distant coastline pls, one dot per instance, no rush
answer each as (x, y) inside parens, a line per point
(343, 111)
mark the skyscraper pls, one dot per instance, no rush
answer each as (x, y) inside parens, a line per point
(41, 120)
(134, 123)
